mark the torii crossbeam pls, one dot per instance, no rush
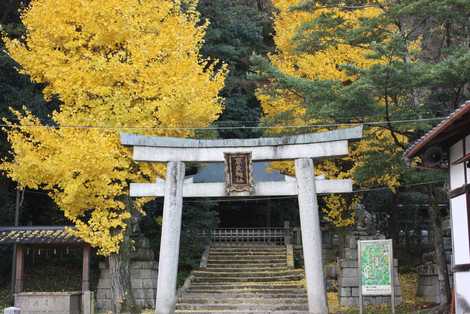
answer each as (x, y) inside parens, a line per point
(302, 148)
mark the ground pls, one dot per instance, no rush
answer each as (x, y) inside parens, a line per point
(411, 304)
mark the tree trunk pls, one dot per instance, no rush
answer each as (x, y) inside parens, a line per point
(123, 301)
(439, 254)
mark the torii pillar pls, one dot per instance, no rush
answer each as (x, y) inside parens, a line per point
(311, 236)
(301, 148)
(170, 241)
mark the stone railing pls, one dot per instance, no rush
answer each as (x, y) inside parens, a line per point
(250, 235)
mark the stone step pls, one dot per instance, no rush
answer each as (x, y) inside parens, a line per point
(244, 307)
(248, 248)
(224, 268)
(247, 252)
(263, 284)
(237, 312)
(250, 262)
(242, 295)
(255, 244)
(247, 299)
(266, 278)
(244, 268)
(245, 279)
(247, 273)
(238, 291)
(246, 261)
(247, 256)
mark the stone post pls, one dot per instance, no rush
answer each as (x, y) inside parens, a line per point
(170, 241)
(19, 269)
(287, 233)
(311, 236)
(86, 268)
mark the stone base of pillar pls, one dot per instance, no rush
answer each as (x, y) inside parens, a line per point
(88, 302)
(12, 310)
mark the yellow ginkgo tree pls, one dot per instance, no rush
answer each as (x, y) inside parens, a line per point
(115, 65)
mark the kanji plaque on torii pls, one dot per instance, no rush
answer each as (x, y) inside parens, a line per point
(238, 173)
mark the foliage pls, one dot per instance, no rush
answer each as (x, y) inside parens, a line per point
(283, 105)
(109, 72)
(341, 62)
(236, 30)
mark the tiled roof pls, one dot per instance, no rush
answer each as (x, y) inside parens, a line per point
(418, 145)
(37, 235)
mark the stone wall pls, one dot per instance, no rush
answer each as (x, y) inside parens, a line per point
(48, 302)
(428, 282)
(143, 272)
(348, 277)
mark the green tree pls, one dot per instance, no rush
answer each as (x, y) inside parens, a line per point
(237, 29)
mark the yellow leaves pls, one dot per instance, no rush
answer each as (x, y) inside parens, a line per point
(379, 141)
(340, 210)
(115, 64)
(323, 64)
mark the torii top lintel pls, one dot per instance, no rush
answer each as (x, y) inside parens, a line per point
(312, 145)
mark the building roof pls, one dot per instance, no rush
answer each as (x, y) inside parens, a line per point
(37, 235)
(455, 126)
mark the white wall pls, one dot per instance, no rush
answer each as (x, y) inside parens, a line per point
(460, 224)
(467, 150)
(457, 175)
(462, 292)
(458, 207)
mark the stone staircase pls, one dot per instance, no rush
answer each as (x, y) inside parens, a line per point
(245, 279)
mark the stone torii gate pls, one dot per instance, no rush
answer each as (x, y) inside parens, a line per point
(302, 148)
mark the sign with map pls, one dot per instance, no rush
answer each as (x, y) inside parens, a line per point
(375, 264)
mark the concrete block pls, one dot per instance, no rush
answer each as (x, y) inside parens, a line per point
(148, 284)
(136, 283)
(345, 292)
(347, 301)
(349, 282)
(368, 300)
(350, 254)
(12, 310)
(349, 272)
(348, 264)
(138, 293)
(103, 305)
(48, 302)
(104, 283)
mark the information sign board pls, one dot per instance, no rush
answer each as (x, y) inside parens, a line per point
(375, 265)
